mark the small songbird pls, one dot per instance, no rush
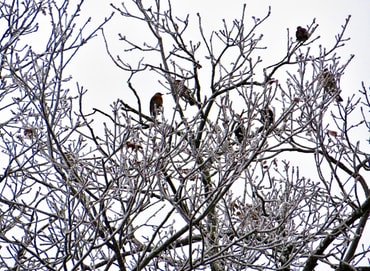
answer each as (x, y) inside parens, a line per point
(183, 91)
(239, 132)
(302, 34)
(329, 83)
(267, 117)
(156, 104)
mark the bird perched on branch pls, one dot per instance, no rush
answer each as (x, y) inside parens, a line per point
(156, 104)
(267, 118)
(329, 83)
(183, 92)
(302, 34)
(239, 132)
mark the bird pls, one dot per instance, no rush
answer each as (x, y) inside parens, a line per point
(302, 34)
(183, 91)
(329, 83)
(239, 132)
(156, 104)
(267, 118)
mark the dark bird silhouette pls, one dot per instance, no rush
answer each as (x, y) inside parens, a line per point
(267, 118)
(239, 132)
(329, 83)
(184, 92)
(156, 104)
(302, 34)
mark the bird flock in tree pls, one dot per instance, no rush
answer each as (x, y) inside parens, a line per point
(326, 78)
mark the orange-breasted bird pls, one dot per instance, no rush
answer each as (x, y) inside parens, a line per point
(329, 83)
(302, 34)
(183, 91)
(156, 104)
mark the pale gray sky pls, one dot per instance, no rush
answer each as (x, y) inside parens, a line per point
(93, 69)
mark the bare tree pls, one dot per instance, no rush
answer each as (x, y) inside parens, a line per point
(211, 183)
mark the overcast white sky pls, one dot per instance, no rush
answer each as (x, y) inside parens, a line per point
(93, 69)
